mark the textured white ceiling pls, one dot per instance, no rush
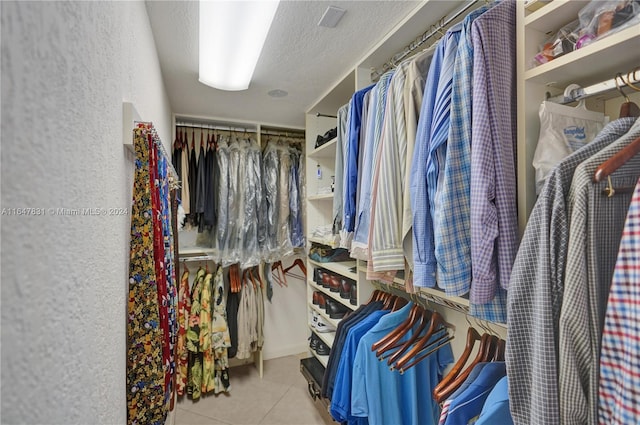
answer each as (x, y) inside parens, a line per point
(299, 57)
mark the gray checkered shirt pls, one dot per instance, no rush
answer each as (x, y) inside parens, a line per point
(595, 230)
(535, 292)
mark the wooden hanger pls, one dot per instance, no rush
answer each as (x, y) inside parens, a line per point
(436, 323)
(445, 392)
(373, 296)
(472, 337)
(299, 263)
(395, 335)
(440, 342)
(617, 160)
(499, 357)
(399, 303)
(425, 318)
(279, 275)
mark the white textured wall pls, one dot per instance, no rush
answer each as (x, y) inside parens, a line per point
(66, 68)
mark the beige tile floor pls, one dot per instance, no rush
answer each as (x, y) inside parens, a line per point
(279, 398)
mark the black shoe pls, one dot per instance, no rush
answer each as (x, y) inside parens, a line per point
(335, 310)
(323, 349)
(353, 296)
(314, 341)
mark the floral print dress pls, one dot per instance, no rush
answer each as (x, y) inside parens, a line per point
(193, 339)
(220, 335)
(184, 310)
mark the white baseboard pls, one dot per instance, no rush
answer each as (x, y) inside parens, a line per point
(285, 351)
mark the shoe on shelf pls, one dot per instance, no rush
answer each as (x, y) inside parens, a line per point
(317, 276)
(353, 296)
(316, 298)
(322, 348)
(326, 280)
(322, 301)
(334, 283)
(314, 319)
(345, 287)
(323, 325)
(335, 310)
(314, 341)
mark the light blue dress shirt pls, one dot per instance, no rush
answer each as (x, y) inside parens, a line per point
(424, 273)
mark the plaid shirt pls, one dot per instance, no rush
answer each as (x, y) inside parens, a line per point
(452, 237)
(535, 291)
(619, 365)
(494, 221)
(594, 237)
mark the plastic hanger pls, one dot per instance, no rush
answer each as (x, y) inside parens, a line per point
(472, 337)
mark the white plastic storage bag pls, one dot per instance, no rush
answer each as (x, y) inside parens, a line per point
(563, 130)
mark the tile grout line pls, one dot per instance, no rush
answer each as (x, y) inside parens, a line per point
(276, 403)
(204, 416)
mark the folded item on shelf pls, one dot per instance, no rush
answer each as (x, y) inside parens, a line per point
(328, 136)
(324, 254)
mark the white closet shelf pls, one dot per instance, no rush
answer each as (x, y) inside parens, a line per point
(326, 337)
(586, 66)
(322, 359)
(323, 197)
(554, 15)
(324, 314)
(194, 251)
(324, 241)
(328, 150)
(334, 295)
(342, 268)
(438, 293)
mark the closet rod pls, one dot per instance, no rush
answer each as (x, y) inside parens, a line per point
(580, 93)
(419, 41)
(216, 127)
(318, 114)
(291, 135)
(197, 258)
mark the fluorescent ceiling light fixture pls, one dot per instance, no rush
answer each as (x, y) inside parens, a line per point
(232, 34)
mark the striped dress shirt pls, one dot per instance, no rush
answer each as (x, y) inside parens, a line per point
(342, 132)
(373, 132)
(452, 237)
(619, 396)
(535, 291)
(386, 240)
(424, 261)
(494, 219)
(413, 91)
(596, 227)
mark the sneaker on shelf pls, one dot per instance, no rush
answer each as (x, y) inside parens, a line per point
(322, 349)
(314, 341)
(314, 319)
(323, 325)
